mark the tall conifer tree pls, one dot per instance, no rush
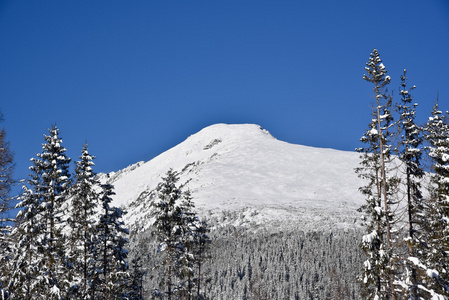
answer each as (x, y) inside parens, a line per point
(83, 238)
(6, 178)
(167, 213)
(437, 137)
(6, 181)
(25, 279)
(110, 278)
(201, 243)
(410, 153)
(373, 277)
(378, 278)
(174, 224)
(40, 233)
(53, 185)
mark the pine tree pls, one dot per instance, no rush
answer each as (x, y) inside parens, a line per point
(186, 259)
(6, 172)
(6, 181)
(83, 238)
(40, 263)
(25, 280)
(437, 137)
(373, 278)
(200, 246)
(378, 275)
(174, 224)
(410, 154)
(110, 278)
(167, 214)
(53, 185)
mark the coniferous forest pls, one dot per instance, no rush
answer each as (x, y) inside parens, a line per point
(68, 240)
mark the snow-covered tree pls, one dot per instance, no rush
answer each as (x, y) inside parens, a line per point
(187, 239)
(410, 154)
(167, 213)
(6, 170)
(25, 279)
(52, 186)
(437, 137)
(378, 274)
(175, 226)
(6, 181)
(200, 245)
(110, 277)
(374, 268)
(83, 236)
(40, 237)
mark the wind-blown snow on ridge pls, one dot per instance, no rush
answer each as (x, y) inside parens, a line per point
(244, 168)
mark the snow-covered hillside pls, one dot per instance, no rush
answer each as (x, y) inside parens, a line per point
(243, 168)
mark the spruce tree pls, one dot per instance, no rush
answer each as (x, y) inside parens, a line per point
(378, 278)
(110, 277)
(167, 214)
(410, 154)
(6, 181)
(187, 239)
(172, 211)
(40, 263)
(25, 279)
(53, 186)
(201, 244)
(83, 237)
(374, 268)
(437, 137)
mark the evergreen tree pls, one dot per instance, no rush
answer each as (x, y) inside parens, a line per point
(6, 181)
(167, 213)
(187, 239)
(110, 278)
(437, 137)
(378, 275)
(410, 154)
(40, 263)
(200, 246)
(52, 185)
(172, 210)
(6, 170)
(373, 277)
(83, 238)
(25, 280)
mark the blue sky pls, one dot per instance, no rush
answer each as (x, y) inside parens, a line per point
(135, 78)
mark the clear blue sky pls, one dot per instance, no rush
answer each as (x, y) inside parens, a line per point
(135, 78)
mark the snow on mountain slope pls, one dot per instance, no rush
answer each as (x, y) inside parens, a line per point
(243, 168)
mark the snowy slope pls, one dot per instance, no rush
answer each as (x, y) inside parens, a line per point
(243, 168)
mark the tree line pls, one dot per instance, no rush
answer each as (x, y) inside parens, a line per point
(69, 242)
(406, 214)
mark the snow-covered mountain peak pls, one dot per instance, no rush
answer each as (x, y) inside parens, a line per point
(230, 132)
(243, 168)
(198, 148)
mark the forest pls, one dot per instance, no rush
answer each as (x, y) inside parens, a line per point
(69, 242)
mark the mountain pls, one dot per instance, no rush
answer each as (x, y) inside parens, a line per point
(244, 169)
(283, 217)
